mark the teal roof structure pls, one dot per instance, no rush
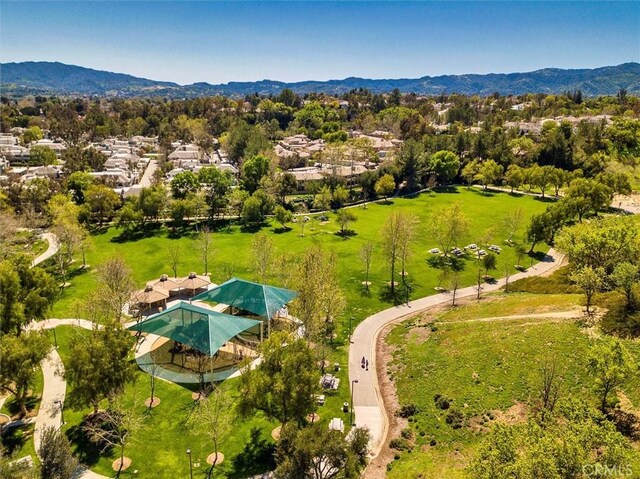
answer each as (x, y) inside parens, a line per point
(259, 299)
(201, 328)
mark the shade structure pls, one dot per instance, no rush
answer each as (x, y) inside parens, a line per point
(165, 283)
(195, 281)
(150, 295)
(259, 299)
(201, 328)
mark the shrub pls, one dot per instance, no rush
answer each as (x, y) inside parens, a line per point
(407, 433)
(442, 402)
(400, 444)
(408, 410)
(455, 418)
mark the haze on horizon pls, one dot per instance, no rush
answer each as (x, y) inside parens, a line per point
(218, 42)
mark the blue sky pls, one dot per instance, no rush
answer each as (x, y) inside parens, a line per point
(187, 41)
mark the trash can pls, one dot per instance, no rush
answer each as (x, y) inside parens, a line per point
(336, 367)
(345, 407)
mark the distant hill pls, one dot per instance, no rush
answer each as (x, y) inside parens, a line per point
(28, 78)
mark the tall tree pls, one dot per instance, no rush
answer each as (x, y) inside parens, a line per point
(611, 365)
(205, 247)
(395, 234)
(449, 225)
(284, 383)
(20, 358)
(366, 255)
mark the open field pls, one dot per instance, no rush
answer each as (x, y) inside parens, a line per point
(148, 256)
(487, 368)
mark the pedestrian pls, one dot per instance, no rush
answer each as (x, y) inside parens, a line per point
(363, 360)
(367, 364)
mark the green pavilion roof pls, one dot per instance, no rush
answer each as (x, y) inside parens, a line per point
(259, 299)
(201, 328)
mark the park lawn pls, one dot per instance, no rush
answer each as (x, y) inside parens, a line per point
(159, 448)
(148, 256)
(483, 367)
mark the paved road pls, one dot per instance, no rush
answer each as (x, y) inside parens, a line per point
(51, 250)
(368, 403)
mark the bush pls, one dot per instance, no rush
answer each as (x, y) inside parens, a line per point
(442, 402)
(57, 460)
(455, 418)
(400, 444)
(407, 433)
(408, 410)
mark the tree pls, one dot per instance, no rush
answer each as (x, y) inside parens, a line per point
(116, 286)
(264, 251)
(586, 195)
(322, 200)
(412, 164)
(625, 277)
(601, 244)
(345, 217)
(445, 164)
(316, 452)
(217, 187)
(489, 173)
(205, 247)
(56, 458)
(320, 299)
(514, 177)
(512, 221)
(129, 216)
(20, 358)
(183, 184)
(214, 417)
(114, 427)
(252, 211)
(40, 155)
(448, 225)
(26, 294)
(395, 233)
(101, 203)
(590, 280)
(98, 366)
(537, 231)
(153, 201)
(470, 171)
(30, 135)
(549, 390)
(282, 216)
(489, 262)
(611, 365)
(284, 383)
(385, 186)
(77, 184)
(339, 197)
(253, 170)
(366, 254)
(173, 253)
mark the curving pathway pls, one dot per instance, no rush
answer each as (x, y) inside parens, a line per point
(51, 250)
(368, 403)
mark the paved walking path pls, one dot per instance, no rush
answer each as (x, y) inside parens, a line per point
(367, 401)
(51, 250)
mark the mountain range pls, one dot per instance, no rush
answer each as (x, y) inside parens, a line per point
(54, 78)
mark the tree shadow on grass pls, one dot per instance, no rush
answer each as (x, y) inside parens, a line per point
(453, 263)
(447, 189)
(257, 456)
(346, 234)
(14, 408)
(546, 199)
(87, 452)
(149, 230)
(484, 193)
(14, 438)
(281, 229)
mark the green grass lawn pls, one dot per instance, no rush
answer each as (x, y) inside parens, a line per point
(482, 367)
(158, 450)
(148, 257)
